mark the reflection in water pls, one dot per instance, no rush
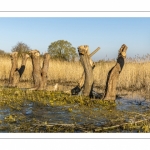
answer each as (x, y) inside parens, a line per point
(4, 112)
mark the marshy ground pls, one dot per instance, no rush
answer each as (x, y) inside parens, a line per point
(22, 110)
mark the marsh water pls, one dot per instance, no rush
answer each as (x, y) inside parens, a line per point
(74, 117)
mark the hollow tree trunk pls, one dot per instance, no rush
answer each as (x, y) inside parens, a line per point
(44, 71)
(37, 78)
(113, 75)
(14, 63)
(85, 61)
(16, 73)
(23, 64)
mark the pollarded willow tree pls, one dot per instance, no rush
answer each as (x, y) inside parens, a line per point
(62, 50)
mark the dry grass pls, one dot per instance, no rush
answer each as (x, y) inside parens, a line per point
(135, 74)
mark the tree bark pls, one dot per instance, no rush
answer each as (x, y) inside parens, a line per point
(85, 61)
(15, 73)
(37, 78)
(14, 63)
(44, 71)
(113, 75)
(39, 74)
(23, 64)
(78, 88)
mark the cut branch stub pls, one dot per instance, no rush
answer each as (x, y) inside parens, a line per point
(95, 51)
(85, 61)
(113, 75)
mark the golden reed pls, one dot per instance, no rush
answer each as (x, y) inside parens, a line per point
(135, 74)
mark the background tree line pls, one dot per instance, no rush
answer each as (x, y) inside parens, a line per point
(61, 50)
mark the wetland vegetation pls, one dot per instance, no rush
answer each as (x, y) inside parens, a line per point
(22, 110)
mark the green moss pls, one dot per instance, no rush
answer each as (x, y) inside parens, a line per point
(85, 114)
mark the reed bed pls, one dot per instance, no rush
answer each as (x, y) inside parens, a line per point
(134, 76)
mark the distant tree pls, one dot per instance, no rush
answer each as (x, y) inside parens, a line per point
(62, 50)
(20, 47)
(2, 52)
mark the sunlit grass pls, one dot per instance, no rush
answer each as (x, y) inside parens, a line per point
(135, 74)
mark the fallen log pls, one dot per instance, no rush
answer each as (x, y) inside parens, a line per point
(94, 128)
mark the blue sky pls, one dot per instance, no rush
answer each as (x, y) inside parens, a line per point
(108, 33)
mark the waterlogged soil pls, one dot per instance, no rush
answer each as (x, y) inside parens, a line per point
(22, 110)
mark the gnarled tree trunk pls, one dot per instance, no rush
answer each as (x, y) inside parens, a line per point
(44, 71)
(37, 78)
(39, 75)
(113, 75)
(81, 80)
(15, 73)
(78, 88)
(85, 61)
(14, 63)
